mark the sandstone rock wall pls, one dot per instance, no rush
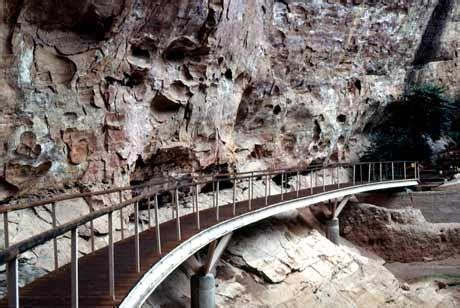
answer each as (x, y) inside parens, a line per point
(401, 235)
(101, 93)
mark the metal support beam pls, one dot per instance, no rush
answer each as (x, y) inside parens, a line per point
(341, 206)
(215, 252)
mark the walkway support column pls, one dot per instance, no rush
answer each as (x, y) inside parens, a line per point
(333, 230)
(203, 291)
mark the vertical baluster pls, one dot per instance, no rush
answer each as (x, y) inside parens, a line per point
(197, 208)
(282, 186)
(6, 230)
(249, 193)
(311, 181)
(234, 195)
(122, 227)
(381, 172)
(91, 226)
(111, 259)
(157, 225)
(324, 179)
(12, 283)
(179, 237)
(361, 173)
(252, 185)
(298, 183)
(393, 171)
(370, 164)
(405, 172)
(266, 189)
(338, 176)
(217, 200)
(136, 238)
(213, 193)
(74, 266)
(55, 244)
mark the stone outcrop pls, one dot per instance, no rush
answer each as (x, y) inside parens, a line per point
(401, 235)
(284, 263)
(99, 92)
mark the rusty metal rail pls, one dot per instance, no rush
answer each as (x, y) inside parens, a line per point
(289, 178)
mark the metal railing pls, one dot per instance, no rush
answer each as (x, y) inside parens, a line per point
(340, 175)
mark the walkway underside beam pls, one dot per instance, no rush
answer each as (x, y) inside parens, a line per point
(341, 206)
(215, 251)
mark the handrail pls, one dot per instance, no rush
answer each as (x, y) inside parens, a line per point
(14, 250)
(64, 197)
(11, 253)
(15, 207)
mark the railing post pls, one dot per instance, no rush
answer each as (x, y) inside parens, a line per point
(266, 189)
(12, 283)
(338, 176)
(282, 186)
(55, 247)
(74, 266)
(249, 192)
(157, 225)
(234, 195)
(6, 232)
(179, 237)
(136, 237)
(252, 185)
(405, 172)
(381, 172)
(111, 259)
(324, 179)
(393, 171)
(370, 166)
(217, 200)
(213, 192)
(361, 173)
(91, 225)
(298, 183)
(311, 182)
(120, 196)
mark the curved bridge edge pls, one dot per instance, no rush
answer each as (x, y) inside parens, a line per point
(152, 279)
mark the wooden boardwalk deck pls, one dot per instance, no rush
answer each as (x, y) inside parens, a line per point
(54, 289)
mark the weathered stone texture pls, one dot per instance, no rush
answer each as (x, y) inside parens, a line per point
(94, 90)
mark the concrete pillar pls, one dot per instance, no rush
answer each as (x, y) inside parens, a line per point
(203, 291)
(333, 230)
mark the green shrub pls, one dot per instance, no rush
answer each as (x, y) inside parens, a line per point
(408, 123)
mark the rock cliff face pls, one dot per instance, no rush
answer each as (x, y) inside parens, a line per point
(401, 235)
(111, 92)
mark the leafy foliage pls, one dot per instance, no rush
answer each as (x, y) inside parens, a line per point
(403, 134)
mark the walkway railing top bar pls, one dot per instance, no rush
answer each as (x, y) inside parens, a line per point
(200, 179)
(15, 250)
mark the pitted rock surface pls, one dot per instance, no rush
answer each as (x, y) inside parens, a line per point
(102, 93)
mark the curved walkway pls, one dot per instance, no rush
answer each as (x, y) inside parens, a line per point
(132, 285)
